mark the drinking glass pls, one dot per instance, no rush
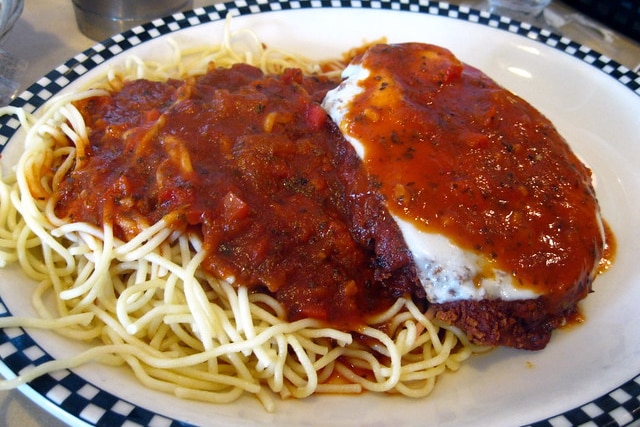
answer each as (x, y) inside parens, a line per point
(522, 10)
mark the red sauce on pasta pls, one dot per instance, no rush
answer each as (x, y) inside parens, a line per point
(251, 163)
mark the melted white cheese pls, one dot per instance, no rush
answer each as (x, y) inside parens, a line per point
(446, 271)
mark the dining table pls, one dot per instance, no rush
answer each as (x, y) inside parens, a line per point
(46, 35)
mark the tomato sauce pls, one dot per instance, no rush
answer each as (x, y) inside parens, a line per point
(457, 154)
(251, 163)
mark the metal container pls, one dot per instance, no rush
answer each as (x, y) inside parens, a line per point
(100, 19)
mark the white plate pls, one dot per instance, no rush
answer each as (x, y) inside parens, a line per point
(587, 373)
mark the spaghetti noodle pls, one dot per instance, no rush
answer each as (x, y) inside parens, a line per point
(147, 303)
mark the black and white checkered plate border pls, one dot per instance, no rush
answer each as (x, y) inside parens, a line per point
(86, 402)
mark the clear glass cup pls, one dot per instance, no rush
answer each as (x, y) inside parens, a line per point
(523, 10)
(12, 67)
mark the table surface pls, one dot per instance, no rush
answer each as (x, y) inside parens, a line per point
(46, 35)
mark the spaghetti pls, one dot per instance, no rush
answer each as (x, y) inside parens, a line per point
(146, 302)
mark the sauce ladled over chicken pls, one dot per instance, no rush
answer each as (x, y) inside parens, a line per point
(492, 202)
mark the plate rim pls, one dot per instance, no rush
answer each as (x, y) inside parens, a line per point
(625, 398)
